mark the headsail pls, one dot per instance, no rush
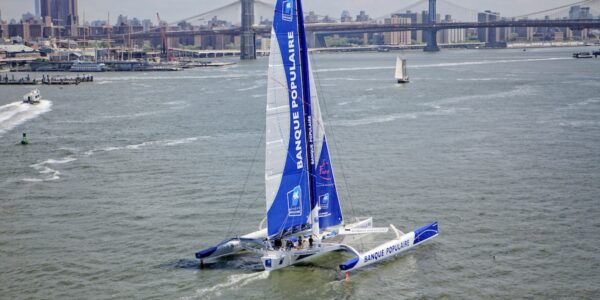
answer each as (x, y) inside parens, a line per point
(330, 212)
(287, 166)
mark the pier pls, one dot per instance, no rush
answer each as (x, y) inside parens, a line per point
(45, 80)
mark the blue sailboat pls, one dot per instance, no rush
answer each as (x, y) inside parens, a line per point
(304, 218)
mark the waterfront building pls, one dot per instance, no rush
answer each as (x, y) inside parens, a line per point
(580, 12)
(311, 17)
(147, 24)
(397, 38)
(362, 17)
(525, 33)
(490, 36)
(28, 17)
(452, 36)
(415, 18)
(346, 17)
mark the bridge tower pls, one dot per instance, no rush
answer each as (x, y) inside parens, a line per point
(248, 39)
(431, 34)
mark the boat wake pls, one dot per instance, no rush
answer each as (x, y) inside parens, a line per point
(522, 90)
(233, 282)
(17, 113)
(146, 144)
(581, 104)
(488, 62)
(394, 117)
(438, 108)
(254, 87)
(44, 169)
(47, 173)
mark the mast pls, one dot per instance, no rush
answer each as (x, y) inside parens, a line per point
(310, 143)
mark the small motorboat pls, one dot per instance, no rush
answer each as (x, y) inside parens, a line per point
(582, 55)
(32, 97)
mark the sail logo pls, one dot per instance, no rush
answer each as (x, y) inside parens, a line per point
(287, 12)
(294, 198)
(325, 170)
(324, 201)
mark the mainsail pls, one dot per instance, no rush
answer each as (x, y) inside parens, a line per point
(400, 69)
(298, 173)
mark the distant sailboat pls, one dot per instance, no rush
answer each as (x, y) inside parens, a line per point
(304, 218)
(401, 74)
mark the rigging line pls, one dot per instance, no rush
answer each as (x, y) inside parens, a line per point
(229, 230)
(335, 143)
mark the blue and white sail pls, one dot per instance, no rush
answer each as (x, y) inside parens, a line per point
(287, 167)
(326, 196)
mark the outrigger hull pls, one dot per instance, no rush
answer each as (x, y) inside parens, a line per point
(231, 246)
(392, 248)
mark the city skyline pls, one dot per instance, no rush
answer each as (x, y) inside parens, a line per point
(179, 9)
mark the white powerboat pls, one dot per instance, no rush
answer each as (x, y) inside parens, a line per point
(32, 97)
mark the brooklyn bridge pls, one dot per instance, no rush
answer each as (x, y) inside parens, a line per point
(248, 29)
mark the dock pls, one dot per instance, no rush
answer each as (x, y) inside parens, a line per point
(45, 80)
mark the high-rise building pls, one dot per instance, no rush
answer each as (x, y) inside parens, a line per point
(60, 12)
(488, 35)
(397, 38)
(362, 17)
(38, 11)
(311, 17)
(415, 18)
(346, 17)
(577, 12)
(452, 36)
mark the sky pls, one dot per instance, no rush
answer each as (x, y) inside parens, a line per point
(173, 10)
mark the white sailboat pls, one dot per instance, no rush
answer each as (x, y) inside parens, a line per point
(304, 219)
(401, 74)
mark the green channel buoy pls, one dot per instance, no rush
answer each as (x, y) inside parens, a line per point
(24, 141)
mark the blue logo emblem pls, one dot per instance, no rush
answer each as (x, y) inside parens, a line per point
(287, 11)
(294, 198)
(324, 201)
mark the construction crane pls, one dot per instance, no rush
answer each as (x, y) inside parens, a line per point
(165, 42)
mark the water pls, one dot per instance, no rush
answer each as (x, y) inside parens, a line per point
(127, 177)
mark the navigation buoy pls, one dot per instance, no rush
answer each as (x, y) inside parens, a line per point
(24, 141)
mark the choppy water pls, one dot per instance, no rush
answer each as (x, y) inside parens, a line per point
(127, 177)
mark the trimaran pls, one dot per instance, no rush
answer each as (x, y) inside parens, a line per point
(304, 219)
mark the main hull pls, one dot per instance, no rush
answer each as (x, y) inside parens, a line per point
(275, 260)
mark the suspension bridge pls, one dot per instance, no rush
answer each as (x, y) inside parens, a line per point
(462, 18)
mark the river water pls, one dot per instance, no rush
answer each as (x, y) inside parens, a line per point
(125, 178)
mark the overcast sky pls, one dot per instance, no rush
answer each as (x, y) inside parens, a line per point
(173, 10)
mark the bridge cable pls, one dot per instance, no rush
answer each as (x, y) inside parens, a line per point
(553, 9)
